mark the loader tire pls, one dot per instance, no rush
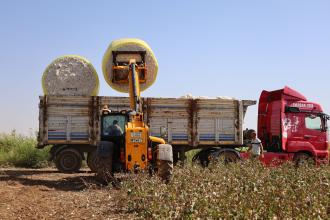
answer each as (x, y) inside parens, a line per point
(165, 170)
(91, 161)
(104, 157)
(68, 160)
(104, 170)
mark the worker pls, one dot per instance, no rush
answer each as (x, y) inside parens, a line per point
(256, 148)
(114, 129)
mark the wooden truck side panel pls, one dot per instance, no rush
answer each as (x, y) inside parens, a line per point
(190, 122)
(173, 114)
(67, 120)
(197, 122)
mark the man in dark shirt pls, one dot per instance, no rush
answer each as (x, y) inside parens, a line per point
(115, 129)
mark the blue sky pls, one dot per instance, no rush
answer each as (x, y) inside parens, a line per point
(206, 48)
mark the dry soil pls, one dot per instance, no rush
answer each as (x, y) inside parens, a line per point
(48, 194)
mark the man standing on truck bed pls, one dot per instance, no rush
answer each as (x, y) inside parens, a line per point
(256, 147)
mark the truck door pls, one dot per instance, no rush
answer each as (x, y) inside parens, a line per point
(304, 132)
(293, 130)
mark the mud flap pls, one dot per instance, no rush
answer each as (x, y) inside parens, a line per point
(165, 152)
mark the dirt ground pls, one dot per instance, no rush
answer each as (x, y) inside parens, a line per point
(48, 194)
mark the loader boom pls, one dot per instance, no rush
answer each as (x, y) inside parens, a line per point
(134, 88)
(136, 131)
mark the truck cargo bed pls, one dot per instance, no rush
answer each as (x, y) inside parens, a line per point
(190, 122)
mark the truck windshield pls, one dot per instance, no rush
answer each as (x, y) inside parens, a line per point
(313, 122)
(108, 122)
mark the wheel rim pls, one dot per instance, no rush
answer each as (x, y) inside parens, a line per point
(304, 160)
(69, 161)
(227, 158)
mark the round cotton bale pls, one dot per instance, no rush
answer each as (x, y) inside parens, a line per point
(129, 44)
(70, 75)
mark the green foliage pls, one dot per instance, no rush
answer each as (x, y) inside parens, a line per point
(190, 154)
(236, 191)
(20, 151)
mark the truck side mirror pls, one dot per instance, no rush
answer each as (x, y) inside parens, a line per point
(325, 118)
(163, 132)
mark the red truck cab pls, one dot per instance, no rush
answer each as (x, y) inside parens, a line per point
(292, 128)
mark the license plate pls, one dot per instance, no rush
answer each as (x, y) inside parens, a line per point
(136, 140)
(136, 134)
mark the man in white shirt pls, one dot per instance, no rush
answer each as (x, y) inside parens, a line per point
(256, 147)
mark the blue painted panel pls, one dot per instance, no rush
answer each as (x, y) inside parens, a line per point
(179, 137)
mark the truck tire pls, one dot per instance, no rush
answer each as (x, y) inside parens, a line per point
(302, 159)
(68, 160)
(165, 170)
(204, 156)
(104, 157)
(92, 160)
(214, 156)
(227, 157)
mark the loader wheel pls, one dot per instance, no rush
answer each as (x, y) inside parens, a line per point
(104, 170)
(165, 170)
(303, 159)
(103, 163)
(68, 160)
(92, 160)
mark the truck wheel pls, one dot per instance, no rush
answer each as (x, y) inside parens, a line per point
(165, 170)
(91, 161)
(68, 160)
(302, 159)
(227, 157)
(204, 156)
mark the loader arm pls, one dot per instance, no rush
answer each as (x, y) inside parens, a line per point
(133, 73)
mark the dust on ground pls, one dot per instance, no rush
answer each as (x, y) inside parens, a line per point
(48, 194)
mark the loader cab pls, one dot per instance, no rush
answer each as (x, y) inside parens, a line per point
(107, 119)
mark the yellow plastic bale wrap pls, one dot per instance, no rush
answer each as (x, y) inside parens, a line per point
(129, 44)
(70, 75)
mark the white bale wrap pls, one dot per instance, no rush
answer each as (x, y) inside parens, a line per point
(70, 75)
(129, 44)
